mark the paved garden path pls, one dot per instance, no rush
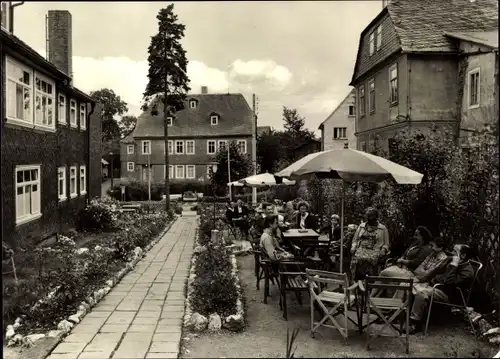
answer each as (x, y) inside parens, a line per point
(142, 315)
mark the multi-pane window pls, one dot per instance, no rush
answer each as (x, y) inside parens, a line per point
(474, 88)
(211, 148)
(372, 43)
(362, 100)
(190, 172)
(146, 147)
(339, 133)
(19, 92)
(83, 180)
(61, 175)
(44, 101)
(179, 147)
(192, 104)
(222, 145)
(190, 147)
(378, 41)
(130, 166)
(214, 120)
(393, 80)
(179, 171)
(72, 113)
(72, 182)
(27, 193)
(170, 121)
(352, 110)
(242, 146)
(170, 171)
(130, 149)
(83, 116)
(61, 116)
(170, 147)
(371, 98)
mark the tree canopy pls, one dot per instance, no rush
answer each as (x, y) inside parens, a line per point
(241, 165)
(113, 106)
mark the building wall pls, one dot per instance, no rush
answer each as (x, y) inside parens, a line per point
(340, 118)
(95, 143)
(304, 150)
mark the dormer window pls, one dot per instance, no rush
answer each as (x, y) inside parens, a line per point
(170, 121)
(5, 9)
(193, 103)
(214, 120)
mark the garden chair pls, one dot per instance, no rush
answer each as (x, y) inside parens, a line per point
(340, 302)
(465, 297)
(293, 279)
(258, 269)
(270, 270)
(389, 309)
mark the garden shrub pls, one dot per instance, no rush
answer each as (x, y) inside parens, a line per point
(214, 288)
(98, 215)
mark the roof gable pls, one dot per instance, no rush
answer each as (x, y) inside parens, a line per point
(349, 95)
(485, 38)
(235, 118)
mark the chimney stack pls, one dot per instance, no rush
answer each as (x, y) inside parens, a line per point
(204, 90)
(59, 36)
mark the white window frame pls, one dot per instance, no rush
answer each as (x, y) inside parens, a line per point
(83, 116)
(170, 121)
(5, 9)
(75, 178)
(370, 83)
(61, 176)
(192, 103)
(179, 152)
(48, 96)
(239, 143)
(148, 142)
(34, 197)
(187, 147)
(73, 120)
(61, 107)
(214, 120)
(82, 176)
(28, 114)
(170, 171)
(371, 43)
(130, 166)
(178, 167)
(478, 88)
(208, 147)
(362, 100)
(353, 110)
(170, 145)
(378, 41)
(338, 132)
(188, 167)
(393, 99)
(130, 149)
(219, 145)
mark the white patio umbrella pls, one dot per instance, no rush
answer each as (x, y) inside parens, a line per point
(235, 184)
(350, 165)
(264, 179)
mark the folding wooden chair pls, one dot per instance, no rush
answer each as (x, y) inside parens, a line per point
(340, 302)
(258, 270)
(293, 279)
(270, 270)
(389, 309)
(465, 298)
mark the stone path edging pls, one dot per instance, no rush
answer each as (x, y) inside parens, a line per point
(65, 326)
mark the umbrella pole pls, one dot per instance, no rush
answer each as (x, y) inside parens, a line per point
(342, 228)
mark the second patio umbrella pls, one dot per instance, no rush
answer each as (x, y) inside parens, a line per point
(350, 165)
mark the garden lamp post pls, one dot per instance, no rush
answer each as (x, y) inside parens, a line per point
(214, 171)
(111, 165)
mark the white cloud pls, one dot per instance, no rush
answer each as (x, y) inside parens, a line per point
(128, 78)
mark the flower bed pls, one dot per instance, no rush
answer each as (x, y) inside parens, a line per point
(214, 297)
(53, 283)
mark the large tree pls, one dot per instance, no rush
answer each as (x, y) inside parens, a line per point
(294, 125)
(112, 106)
(241, 166)
(168, 82)
(127, 125)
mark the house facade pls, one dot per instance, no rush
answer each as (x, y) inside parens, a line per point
(50, 136)
(340, 126)
(408, 76)
(207, 124)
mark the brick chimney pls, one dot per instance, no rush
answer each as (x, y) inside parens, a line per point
(59, 33)
(204, 90)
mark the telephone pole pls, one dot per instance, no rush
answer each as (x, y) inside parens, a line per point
(254, 146)
(165, 132)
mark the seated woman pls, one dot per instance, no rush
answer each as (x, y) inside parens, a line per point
(230, 212)
(269, 242)
(414, 255)
(369, 245)
(304, 219)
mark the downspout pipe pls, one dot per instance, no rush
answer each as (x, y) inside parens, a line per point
(11, 15)
(89, 172)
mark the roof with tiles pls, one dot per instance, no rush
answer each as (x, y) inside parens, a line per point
(421, 25)
(235, 118)
(487, 38)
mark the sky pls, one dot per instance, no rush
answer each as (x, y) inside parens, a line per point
(298, 54)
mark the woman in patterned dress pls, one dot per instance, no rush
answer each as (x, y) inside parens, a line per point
(369, 245)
